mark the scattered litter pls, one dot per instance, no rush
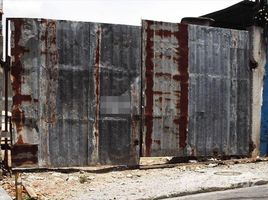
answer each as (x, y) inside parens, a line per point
(129, 176)
(212, 164)
(193, 161)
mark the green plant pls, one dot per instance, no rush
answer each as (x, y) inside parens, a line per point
(83, 179)
(28, 198)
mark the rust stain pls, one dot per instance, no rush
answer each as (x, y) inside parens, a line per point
(24, 154)
(183, 77)
(51, 61)
(176, 121)
(18, 118)
(161, 74)
(157, 142)
(160, 92)
(19, 140)
(97, 84)
(17, 51)
(18, 99)
(17, 72)
(180, 78)
(96, 76)
(149, 68)
(164, 57)
(164, 33)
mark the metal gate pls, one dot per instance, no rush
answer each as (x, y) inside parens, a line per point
(76, 93)
(196, 86)
(166, 79)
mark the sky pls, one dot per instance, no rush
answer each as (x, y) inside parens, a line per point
(113, 11)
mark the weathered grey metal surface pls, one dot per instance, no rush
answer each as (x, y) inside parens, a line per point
(217, 99)
(219, 92)
(165, 67)
(77, 91)
(69, 79)
(119, 94)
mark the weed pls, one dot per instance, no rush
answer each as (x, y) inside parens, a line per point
(83, 179)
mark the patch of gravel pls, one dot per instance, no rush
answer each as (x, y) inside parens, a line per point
(145, 184)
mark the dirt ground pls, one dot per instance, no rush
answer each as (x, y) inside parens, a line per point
(144, 183)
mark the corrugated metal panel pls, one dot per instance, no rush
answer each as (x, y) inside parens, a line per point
(219, 95)
(69, 82)
(119, 94)
(77, 90)
(165, 67)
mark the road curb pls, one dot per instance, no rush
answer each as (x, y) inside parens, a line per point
(211, 189)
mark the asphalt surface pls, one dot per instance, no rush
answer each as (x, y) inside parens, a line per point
(256, 192)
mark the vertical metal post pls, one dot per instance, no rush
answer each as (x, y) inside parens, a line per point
(11, 131)
(141, 98)
(6, 69)
(18, 185)
(6, 72)
(6, 154)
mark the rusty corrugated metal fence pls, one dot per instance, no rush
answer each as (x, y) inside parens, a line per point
(219, 92)
(196, 90)
(166, 79)
(76, 93)
(79, 91)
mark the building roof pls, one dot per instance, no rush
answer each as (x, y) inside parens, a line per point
(239, 16)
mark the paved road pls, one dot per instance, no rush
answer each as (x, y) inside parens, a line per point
(252, 193)
(3, 195)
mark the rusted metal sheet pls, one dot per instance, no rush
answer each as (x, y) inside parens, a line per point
(22, 98)
(24, 155)
(166, 77)
(65, 79)
(196, 84)
(219, 92)
(77, 91)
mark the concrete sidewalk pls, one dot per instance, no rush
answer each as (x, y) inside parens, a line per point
(4, 195)
(147, 184)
